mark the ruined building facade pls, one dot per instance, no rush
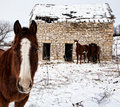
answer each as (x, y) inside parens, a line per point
(59, 26)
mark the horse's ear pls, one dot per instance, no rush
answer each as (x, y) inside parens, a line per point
(17, 27)
(33, 27)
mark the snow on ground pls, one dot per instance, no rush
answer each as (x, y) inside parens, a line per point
(63, 84)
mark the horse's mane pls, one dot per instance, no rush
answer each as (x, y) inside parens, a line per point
(25, 30)
(1, 50)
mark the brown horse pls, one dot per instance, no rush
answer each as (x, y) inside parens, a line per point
(18, 66)
(94, 53)
(80, 50)
(1, 51)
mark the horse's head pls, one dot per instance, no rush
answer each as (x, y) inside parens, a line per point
(93, 48)
(75, 41)
(25, 58)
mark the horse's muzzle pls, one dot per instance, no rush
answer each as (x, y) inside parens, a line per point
(24, 87)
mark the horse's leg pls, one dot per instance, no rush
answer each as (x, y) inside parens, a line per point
(77, 58)
(22, 102)
(84, 54)
(88, 58)
(3, 102)
(95, 59)
(80, 58)
(99, 58)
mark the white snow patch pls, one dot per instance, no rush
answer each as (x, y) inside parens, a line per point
(64, 84)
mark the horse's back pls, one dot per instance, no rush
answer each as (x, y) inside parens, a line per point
(85, 47)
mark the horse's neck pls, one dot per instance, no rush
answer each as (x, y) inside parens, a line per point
(5, 61)
(78, 45)
(6, 74)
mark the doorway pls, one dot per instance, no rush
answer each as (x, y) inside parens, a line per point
(46, 51)
(68, 52)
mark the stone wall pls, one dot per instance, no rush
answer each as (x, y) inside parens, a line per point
(59, 33)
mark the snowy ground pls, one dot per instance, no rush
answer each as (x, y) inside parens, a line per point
(67, 84)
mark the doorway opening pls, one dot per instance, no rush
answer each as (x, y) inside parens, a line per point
(68, 52)
(46, 51)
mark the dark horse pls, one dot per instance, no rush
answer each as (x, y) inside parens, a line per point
(94, 53)
(81, 50)
(18, 66)
(1, 51)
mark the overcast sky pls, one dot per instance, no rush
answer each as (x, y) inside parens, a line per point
(11, 10)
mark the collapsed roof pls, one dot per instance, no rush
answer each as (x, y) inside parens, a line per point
(74, 13)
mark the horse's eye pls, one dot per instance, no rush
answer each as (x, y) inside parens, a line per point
(15, 49)
(36, 49)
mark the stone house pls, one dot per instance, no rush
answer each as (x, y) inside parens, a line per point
(58, 27)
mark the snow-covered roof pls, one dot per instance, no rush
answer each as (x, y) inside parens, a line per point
(73, 13)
